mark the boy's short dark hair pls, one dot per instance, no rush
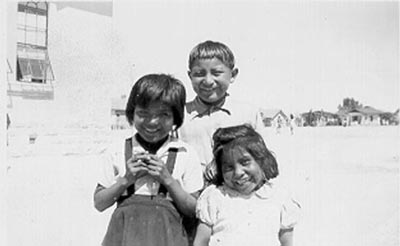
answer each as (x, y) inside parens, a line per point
(211, 49)
(157, 87)
(245, 137)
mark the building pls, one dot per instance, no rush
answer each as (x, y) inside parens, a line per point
(60, 63)
(271, 117)
(361, 116)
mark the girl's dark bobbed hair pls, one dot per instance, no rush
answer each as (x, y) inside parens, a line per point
(158, 88)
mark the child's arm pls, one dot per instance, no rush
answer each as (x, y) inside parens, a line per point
(106, 197)
(203, 235)
(286, 237)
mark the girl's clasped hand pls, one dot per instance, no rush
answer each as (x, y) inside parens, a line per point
(141, 164)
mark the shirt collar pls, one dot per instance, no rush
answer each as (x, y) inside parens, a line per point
(204, 108)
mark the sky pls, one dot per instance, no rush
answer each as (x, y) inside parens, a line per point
(295, 56)
(291, 55)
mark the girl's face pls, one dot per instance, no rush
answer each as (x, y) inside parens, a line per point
(240, 171)
(154, 122)
(211, 79)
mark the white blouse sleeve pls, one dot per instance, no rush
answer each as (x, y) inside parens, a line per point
(193, 176)
(290, 212)
(111, 166)
(207, 206)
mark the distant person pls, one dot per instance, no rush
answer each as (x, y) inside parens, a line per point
(292, 124)
(153, 178)
(8, 121)
(279, 124)
(118, 121)
(8, 125)
(242, 206)
(211, 71)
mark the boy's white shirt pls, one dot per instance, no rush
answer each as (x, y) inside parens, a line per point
(187, 169)
(198, 131)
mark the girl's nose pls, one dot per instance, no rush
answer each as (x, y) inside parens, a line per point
(239, 171)
(153, 120)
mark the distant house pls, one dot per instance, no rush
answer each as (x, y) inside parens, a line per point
(396, 117)
(324, 118)
(361, 116)
(118, 106)
(271, 117)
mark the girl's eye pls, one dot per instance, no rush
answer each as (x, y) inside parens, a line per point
(166, 115)
(245, 162)
(142, 114)
(227, 168)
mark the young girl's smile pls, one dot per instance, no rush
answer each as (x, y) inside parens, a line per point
(153, 122)
(241, 171)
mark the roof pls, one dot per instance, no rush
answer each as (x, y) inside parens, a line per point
(271, 113)
(367, 110)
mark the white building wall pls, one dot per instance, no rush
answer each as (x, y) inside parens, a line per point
(88, 67)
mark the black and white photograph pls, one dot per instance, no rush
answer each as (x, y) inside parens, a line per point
(200, 123)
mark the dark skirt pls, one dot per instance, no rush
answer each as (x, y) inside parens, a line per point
(145, 221)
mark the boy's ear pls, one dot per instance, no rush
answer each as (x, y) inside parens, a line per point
(235, 72)
(188, 73)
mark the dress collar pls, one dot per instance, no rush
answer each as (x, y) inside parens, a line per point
(264, 192)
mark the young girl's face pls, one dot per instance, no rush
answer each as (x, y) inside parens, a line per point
(154, 122)
(211, 79)
(240, 171)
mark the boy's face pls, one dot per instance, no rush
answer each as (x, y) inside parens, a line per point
(154, 122)
(211, 79)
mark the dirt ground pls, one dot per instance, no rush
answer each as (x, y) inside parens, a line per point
(346, 179)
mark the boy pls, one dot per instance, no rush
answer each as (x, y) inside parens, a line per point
(212, 70)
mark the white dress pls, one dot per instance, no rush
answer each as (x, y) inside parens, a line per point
(255, 219)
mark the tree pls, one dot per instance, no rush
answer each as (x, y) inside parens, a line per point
(310, 118)
(350, 104)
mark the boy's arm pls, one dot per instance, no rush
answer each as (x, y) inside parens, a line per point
(203, 235)
(286, 237)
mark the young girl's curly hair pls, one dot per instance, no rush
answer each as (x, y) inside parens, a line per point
(246, 138)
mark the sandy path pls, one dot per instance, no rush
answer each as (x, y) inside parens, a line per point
(347, 180)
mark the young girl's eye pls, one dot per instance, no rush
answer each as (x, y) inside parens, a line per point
(142, 114)
(226, 167)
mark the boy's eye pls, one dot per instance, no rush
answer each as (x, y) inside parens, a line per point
(200, 73)
(216, 73)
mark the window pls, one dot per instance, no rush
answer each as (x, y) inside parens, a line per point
(33, 64)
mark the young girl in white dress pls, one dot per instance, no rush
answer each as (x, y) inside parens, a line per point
(243, 207)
